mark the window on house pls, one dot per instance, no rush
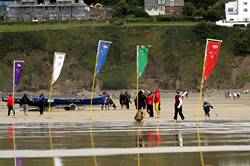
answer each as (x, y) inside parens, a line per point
(245, 3)
(245, 10)
(161, 1)
(230, 9)
(162, 8)
(171, 2)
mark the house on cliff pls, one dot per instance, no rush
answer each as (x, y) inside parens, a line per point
(163, 7)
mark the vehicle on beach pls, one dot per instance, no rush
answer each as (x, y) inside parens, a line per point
(68, 104)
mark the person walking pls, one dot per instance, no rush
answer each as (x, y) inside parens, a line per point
(10, 104)
(24, 104)
(206, 108)
(122, 99)
(127, 98)
(178, 106)
(157, 102)
(150, 103)
(41, 103)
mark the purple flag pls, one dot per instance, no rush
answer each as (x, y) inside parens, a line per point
(18, 68)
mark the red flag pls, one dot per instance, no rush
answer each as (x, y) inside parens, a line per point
(213, 49)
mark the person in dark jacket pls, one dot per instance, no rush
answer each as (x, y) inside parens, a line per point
(122, 99)
(41, 100)
(127, 98)
(206, 108)
(141, 106)
(24, 104)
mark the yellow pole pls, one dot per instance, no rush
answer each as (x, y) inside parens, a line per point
(137, 79)
(138, 155)
(137, 102)
(198, 115)
(51, 143)
(92, 144)
(93, 84)
(51, 85)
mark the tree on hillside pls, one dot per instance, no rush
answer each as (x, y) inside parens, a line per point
(212, 15)
(219, 6)
(121, 8)
(139, 12)
(189, 9)
(200, 12)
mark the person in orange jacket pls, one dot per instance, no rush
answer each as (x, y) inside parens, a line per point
(157, 102)
(10, 104)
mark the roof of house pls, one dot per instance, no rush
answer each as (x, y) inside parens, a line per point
(151, 4)
(176, 2)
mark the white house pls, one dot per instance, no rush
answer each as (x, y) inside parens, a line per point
(237, 14)
(238, 11)
(163, 7)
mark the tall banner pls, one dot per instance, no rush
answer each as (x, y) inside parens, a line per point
(142, 53)
(18, 70)
(103, 49)
(101, 56)
(58, 64)
(212, 53)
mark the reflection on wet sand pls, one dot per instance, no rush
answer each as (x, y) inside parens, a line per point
(126, 135)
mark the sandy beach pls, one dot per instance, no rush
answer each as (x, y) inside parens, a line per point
(227, 109)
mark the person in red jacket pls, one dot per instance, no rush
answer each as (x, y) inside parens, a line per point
(150, 103)
(10, 104)
(157, 102)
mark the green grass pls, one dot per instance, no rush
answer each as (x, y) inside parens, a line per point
(46, 26)
(159, 24)
(65, 26)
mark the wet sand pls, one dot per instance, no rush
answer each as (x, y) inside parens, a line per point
(227, 109)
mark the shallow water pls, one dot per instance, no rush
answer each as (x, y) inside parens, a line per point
(127, 136)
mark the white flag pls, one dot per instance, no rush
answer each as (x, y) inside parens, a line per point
(58, 64)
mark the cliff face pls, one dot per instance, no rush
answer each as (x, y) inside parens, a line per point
(175, 58)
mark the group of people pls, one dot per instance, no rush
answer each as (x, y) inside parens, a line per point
(24, 103)
(109, 101)
(234, 95)
(145, 104)
(125, 99)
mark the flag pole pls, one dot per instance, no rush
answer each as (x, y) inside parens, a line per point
(51, 87)
(137, 78)
(13, 80)
(198, 116)
(137, 101)
(93, 83)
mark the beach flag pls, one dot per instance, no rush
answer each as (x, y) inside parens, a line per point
(101, 56)
(57, 66)
(102, 52)
(18, 70)
(142, 61)
(211, 56)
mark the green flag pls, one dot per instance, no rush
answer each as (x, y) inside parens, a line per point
(142, 59)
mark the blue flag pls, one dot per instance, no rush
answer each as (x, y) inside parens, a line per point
(103, 49)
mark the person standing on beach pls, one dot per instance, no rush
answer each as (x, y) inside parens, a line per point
(10, 104)
(150, 103)
(41, 103)
(178, 106)
(122, 99)
(24, 104)
(127, 98)
(206, 108)
(157, 102)
(141, 106)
